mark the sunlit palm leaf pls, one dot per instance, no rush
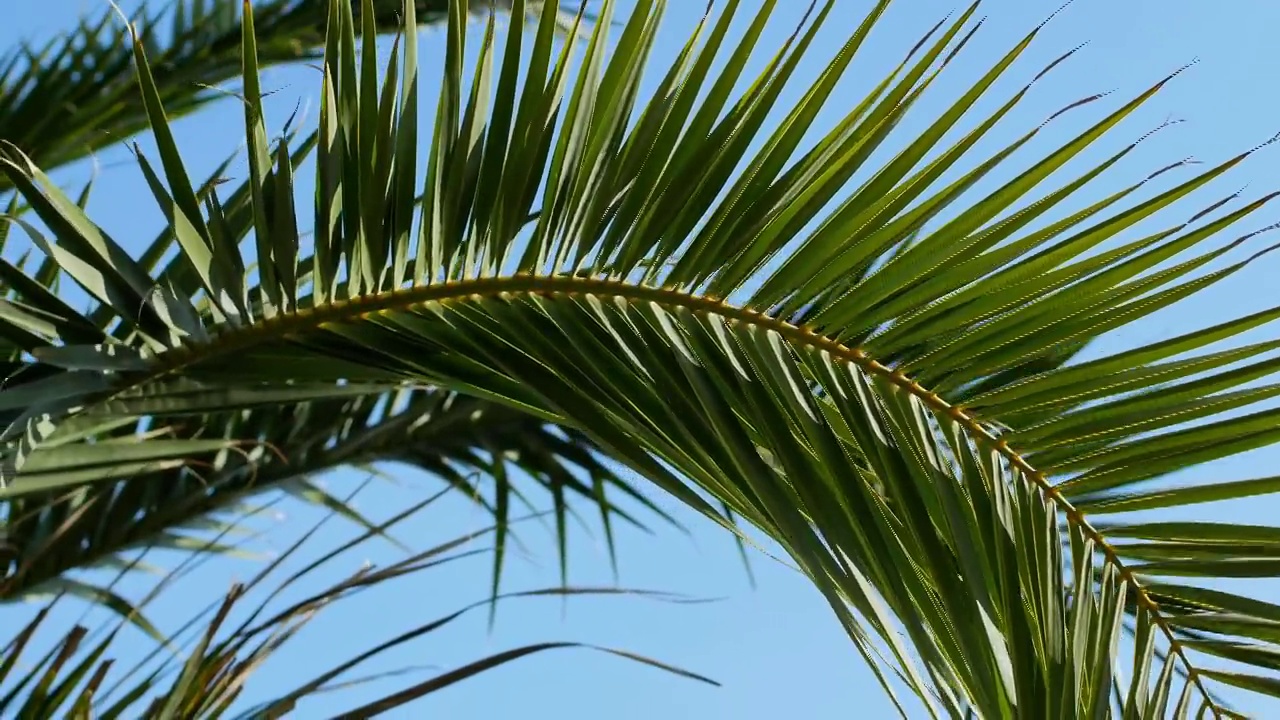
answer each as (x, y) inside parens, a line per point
(92, 502)
(922, 446)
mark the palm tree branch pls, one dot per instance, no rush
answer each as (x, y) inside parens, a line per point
(283, 327)
(212, 659)
(857, 441)
(41, 551)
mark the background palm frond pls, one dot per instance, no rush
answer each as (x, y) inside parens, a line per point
(206, 667)
(94, 509)
(75, 94)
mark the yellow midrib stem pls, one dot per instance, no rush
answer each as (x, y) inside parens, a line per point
(358, 307)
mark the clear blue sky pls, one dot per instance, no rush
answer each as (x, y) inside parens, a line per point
(777, 649)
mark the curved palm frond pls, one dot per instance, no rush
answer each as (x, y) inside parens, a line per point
(924, 445)
(92, 504)
(75, 676)
(146, 484)
(74, 95)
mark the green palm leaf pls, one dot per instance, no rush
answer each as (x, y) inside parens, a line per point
(172, 483)
(203, 668)
(75, 94)
(923, 446)
(125, 490)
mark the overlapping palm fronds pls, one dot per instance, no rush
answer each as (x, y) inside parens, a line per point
(88, 511)
(75, 93)
(896, 403)
(207, 667)
(87, 506)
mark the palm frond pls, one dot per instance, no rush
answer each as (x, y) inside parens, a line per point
(130, 490)
(119, 484)
(75, 94)
(205, 667)
(925, 447)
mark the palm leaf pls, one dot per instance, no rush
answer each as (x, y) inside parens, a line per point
(924, 446)
(92, 509)
(128, 489)
(73, 95)
(210, 662)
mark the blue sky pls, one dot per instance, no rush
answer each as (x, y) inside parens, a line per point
(777, 649)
